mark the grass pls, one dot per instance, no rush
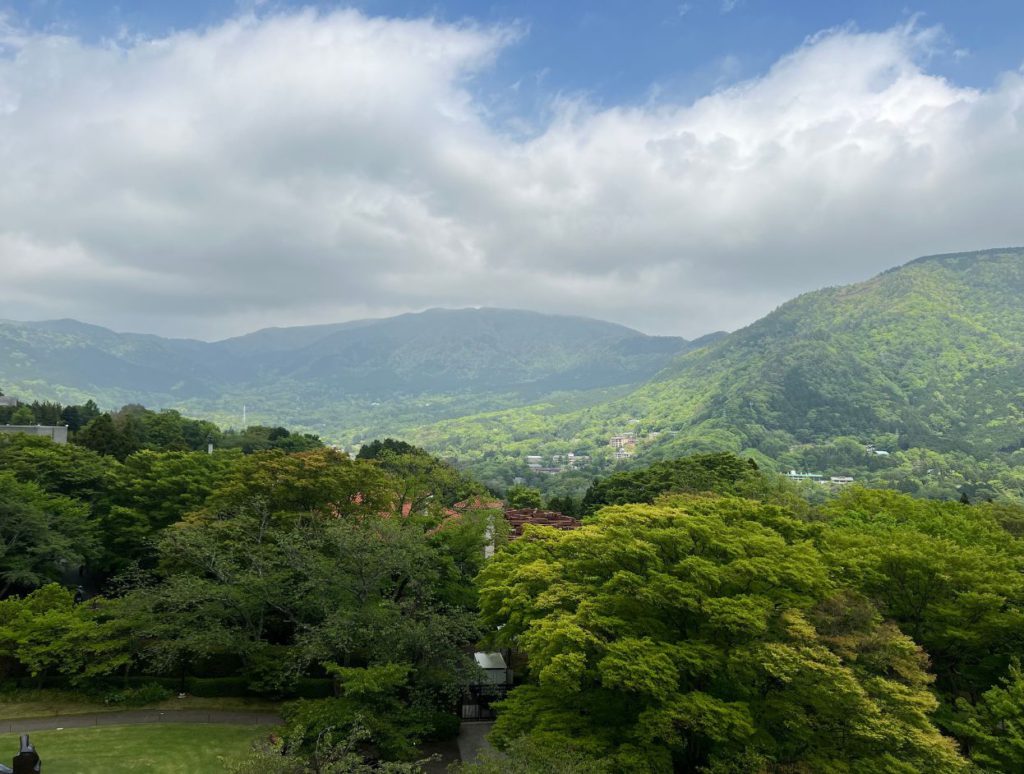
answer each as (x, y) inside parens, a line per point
(145, 749)
(43, 703)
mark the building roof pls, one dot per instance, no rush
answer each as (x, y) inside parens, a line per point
(489, 660)
(518, 518)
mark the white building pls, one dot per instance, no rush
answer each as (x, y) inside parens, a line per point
(56, 433)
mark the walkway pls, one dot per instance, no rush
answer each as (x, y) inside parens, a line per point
(139, 717)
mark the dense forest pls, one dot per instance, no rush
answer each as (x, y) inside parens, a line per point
(706, 616)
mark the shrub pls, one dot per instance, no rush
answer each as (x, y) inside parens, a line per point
(149, 693)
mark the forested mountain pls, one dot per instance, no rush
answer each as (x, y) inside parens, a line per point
(924, 361)
(326, 377)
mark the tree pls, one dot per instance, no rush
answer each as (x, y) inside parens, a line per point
(719, 472)
(704, 632)
(994, 728)
(151, 491)
(78, 417)
(102, 436)
(23, 416)
(41, 535)
(951, 577)
(522, 497)
(307, 481)
(300, 562)
(65, 469)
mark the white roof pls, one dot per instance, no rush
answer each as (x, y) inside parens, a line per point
(489, 660)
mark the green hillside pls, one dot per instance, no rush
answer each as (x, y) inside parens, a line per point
(343, 381)
(925, 362)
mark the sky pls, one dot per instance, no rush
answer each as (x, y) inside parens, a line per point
(208, 168)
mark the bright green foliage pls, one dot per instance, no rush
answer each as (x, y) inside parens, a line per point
(23, 415)
(700, 632)
(950, 575)
(38, 630)
(721, 473)
(522, 497)
(59, 469)
(46, 634)
(994, 728)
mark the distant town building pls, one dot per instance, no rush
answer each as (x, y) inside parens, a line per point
(623, 453)
(795, 476)
(841, 479)
(56, 433)
(8, 400)
(622, 440)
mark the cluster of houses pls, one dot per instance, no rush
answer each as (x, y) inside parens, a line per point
(624, 444)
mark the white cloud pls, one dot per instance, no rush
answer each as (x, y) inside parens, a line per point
(302, 168)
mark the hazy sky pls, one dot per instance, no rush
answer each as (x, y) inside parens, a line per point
(205, 169)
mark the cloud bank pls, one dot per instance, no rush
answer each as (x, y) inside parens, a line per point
(309, 167)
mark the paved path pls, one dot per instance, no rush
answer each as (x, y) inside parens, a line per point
(138, 717)
(473, 739)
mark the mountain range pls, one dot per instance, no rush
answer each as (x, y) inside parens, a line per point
(455, 360)
(928, 356)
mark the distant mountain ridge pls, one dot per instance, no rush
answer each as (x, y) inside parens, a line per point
(439, 351)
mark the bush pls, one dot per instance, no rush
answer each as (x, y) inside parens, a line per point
(149, 693)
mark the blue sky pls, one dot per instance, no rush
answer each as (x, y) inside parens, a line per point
(617, 50)
(206, 168)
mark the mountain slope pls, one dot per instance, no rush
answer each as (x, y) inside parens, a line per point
(928, 356)
(932, 352)
(449, 350)
(323, 376)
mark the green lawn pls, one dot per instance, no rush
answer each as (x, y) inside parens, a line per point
(36, 704)
(166, 748)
